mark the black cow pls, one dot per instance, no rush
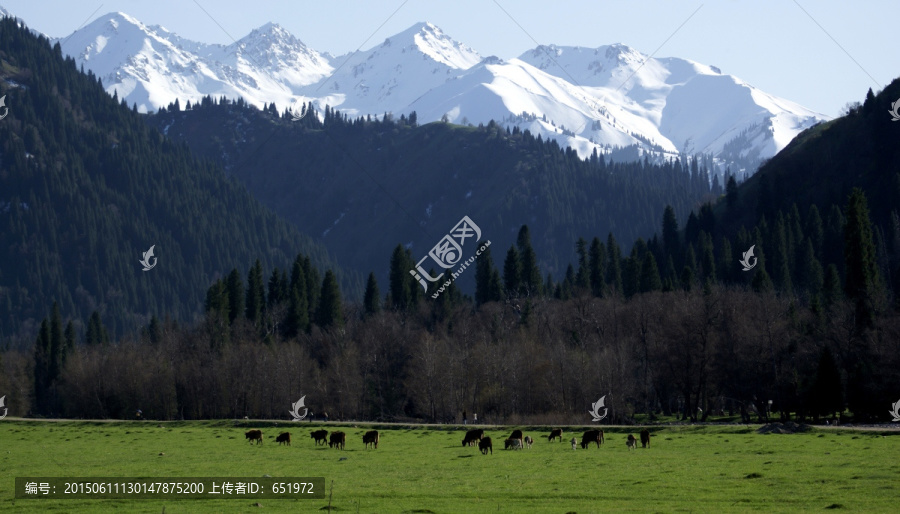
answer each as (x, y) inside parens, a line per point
(485, 444)
(284, 437)
(371, 437)
(337, 440)
(473, 436)
(254, 435)
(645, 438)
(320, 435)
(591, 436)
(556, 432)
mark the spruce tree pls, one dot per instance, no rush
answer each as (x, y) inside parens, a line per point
(401, 293)
(371, 298)
(512, 272)
(69, 337)
(42, 368)
(670, 232)
(96, 332)
(583, 277)
(330, 313)
(298, 302)
(531, 275)
(486, 287)
(614, 270)
(631, 278)
(813, 276)
(731, 194)
(56, 343)
(235, 287)
(862, 281)
(831, 288)
(650, 280)
(274, 289)
(255, 293)
(596, 266)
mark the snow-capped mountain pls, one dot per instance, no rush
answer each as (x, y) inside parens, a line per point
(152, 67)
(606, 98)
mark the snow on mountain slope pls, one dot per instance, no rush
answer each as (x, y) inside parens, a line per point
(390, 76)
(152, 67)
(693, 107)
(600, 98)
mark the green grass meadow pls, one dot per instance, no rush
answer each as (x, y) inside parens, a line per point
(425, 469)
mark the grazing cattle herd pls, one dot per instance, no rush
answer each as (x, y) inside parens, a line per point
(516, 440)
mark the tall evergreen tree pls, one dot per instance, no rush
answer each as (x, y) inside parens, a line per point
(583, 278)
(731, 194)
(331, 312)
(401, 288)
(313, 282)
(487, 279)
(56, 343)
(670, 232)
(597, 265)
(531, 275)
(255, 293)
(96, 333)
(862, 281)
(298, 301)
(614, 270)
(811, 271)
(42, 368)
(831, 288)
(235, 287)
(512, 272)
(814, 230)
(69, 345)
(274, 289)
(371, 298)
(631, 278)
(650, 280)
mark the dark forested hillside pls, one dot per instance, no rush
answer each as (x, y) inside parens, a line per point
(363, 186)
(86, 187)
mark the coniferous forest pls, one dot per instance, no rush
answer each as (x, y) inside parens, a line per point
(86, 187)
(661, 320)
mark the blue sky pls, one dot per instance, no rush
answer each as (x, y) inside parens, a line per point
(773, 45)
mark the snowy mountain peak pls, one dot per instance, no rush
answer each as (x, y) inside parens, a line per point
(612, 98)
(431, 41)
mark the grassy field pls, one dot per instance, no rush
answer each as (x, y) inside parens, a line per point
(425, 469)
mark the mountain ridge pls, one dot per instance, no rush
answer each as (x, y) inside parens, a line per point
(634, 106)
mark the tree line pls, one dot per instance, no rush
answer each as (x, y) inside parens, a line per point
(699, 345)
